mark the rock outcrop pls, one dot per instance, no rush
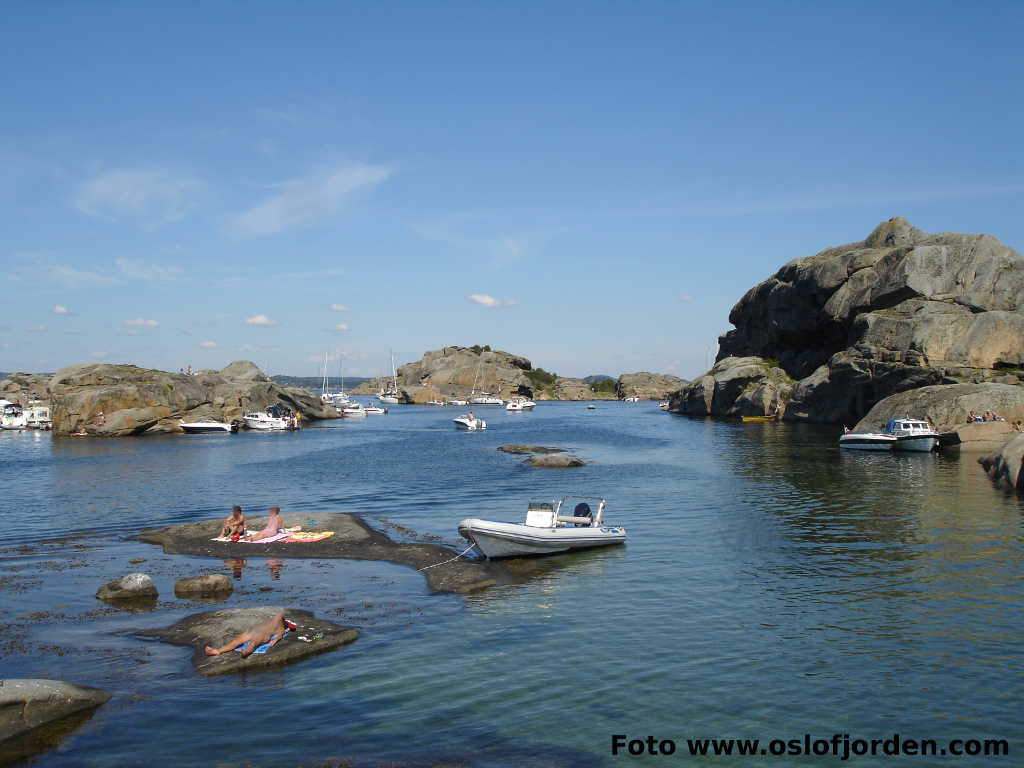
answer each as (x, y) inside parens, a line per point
(647, 386)
(947, 406)
(899, 310)
(118, 400)
(555, 461)
(28, 705)
(572, 389)
(205, 585)
(1004, 466)
(735, 386)
(22, 387)
(130, 587)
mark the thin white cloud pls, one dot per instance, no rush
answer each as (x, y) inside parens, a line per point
(341, 327)
(340, 308)
(156, 197)
(207, 344)
(142, 321)
(60, 310)
(489, 301)
(259, 320)
(686, 298)
(37, 329)
(142, 270)
(307, 201)
(247, 348)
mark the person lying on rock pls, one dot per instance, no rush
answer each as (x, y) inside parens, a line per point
(234, 526)
(270, 631)
(274, 525)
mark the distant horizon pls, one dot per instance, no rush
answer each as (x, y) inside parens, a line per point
(591, 186)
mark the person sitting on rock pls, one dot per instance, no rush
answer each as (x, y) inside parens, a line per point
(234, 526)
(971, 418)
(272, 528)
(270, 631)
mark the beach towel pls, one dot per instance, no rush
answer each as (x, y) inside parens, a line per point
(262, 647)
(284, 534)
(308, 536)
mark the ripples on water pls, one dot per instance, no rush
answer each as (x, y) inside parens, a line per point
(771, 586)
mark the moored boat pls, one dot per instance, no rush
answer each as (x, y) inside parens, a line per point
(546, 530)
(202, 427)
(469, 422)
(866, 441)
(912, 435)
(276, 418)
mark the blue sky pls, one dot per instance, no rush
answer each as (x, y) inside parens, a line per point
(591, 185)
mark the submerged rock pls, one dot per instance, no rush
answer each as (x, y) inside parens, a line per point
(29, 705)
(130, 587)
(524, 449)
(556, 461)
(208, 584)
(215, 628)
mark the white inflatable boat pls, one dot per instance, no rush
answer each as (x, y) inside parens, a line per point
(546, 529)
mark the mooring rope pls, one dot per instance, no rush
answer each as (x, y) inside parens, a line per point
(428, 567)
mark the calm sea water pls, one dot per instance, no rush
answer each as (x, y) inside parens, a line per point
(772, 586)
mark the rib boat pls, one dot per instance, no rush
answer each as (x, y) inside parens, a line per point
(201, 427)
(546, 530)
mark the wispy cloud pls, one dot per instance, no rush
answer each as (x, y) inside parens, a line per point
(142, 321)
(341, 327)
(247, 348)
(60, 310)
(156, 197)
(686, 298)
(340, 308)
(259, 320)
(143, 270)
(207, 344)
(37, 329)
(307, 201)
(489, 301)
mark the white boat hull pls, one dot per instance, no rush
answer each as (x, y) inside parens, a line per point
(921, 443)
(486, 401)
(269, 424)
(470, 425)
(866, 441)
(496, 539)
(389, 399)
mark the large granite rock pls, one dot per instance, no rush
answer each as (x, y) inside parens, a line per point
(899, 310)
(215, 628)
(735, 386)
(30, 705)
(572, 389)
(647, 386)
(22, 387)
(205, 585)
(948, 406)
(118, 400)
(1004, 466)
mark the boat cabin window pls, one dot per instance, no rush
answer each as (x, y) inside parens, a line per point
(540, 514)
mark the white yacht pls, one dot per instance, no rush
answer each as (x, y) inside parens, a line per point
(486, 399)
(374, 410)
(546, 529)
(520, 404)
(469, 422)
(275, 418)
(37, 416)
(633, 399)
(12, 416)
(458, 402)
(204, 427)
(663, 405)
(390, 395)
(353, 410)
(866, 441)
(912, 435)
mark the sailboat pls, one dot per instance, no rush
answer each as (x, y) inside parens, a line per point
(338, 399)
(390, 395)
(482, 398)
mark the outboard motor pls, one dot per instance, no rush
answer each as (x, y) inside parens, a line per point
(583, 510)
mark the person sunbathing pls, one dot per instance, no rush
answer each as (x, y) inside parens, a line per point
(234, 525)
(273, 527)
(270, 632)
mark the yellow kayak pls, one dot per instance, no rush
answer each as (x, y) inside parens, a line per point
(758, 418)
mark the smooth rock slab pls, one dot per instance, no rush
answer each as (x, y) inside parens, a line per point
(524, 449)
(217, 627)
(27, 705)
(556, 461)
(208, 584)
(130, 587)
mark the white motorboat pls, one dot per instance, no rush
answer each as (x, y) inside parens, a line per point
(37, 416)
(546, 529)
(458, 402)
(202, 427)
(374, 410)
(633, 399)
(486, 399)
(436, 402)
(663, 405)
(13, 416)
(275, 418)
(469, 422)
(866, 441)
(591, 407)
(353, 410)
(912, 435)
(520, 404)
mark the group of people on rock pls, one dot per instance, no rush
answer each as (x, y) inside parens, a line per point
(987, 416)
(234, 526)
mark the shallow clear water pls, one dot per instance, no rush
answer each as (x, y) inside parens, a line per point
(771, 586)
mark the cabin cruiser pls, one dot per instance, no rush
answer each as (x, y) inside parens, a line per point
(275, 418)
(470, 422)
(520, 404)
(631, 399)
(13, 416)
(485, 399)
(663, 405)
(546, 530)
(202, 427)
(37, 416)
(458, 402)
(912, 435)
(374, 410)
(353, 410)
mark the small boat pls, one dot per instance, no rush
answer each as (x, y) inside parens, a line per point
(458, 402)
(374, 410)
(663, 405)
(633, 399)
(912, 435)
(866, 441)
(486, 399)
(758, 418)
(202, 427)
(13, 416)
(354, 410)
(520, 404)
(546, 529)
(469, 422)
(436, 402)
(276, 418)
(591, 407)
(37, 416)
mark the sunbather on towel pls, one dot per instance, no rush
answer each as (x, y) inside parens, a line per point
(270, 632)
(234, 525)
(273, 527)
